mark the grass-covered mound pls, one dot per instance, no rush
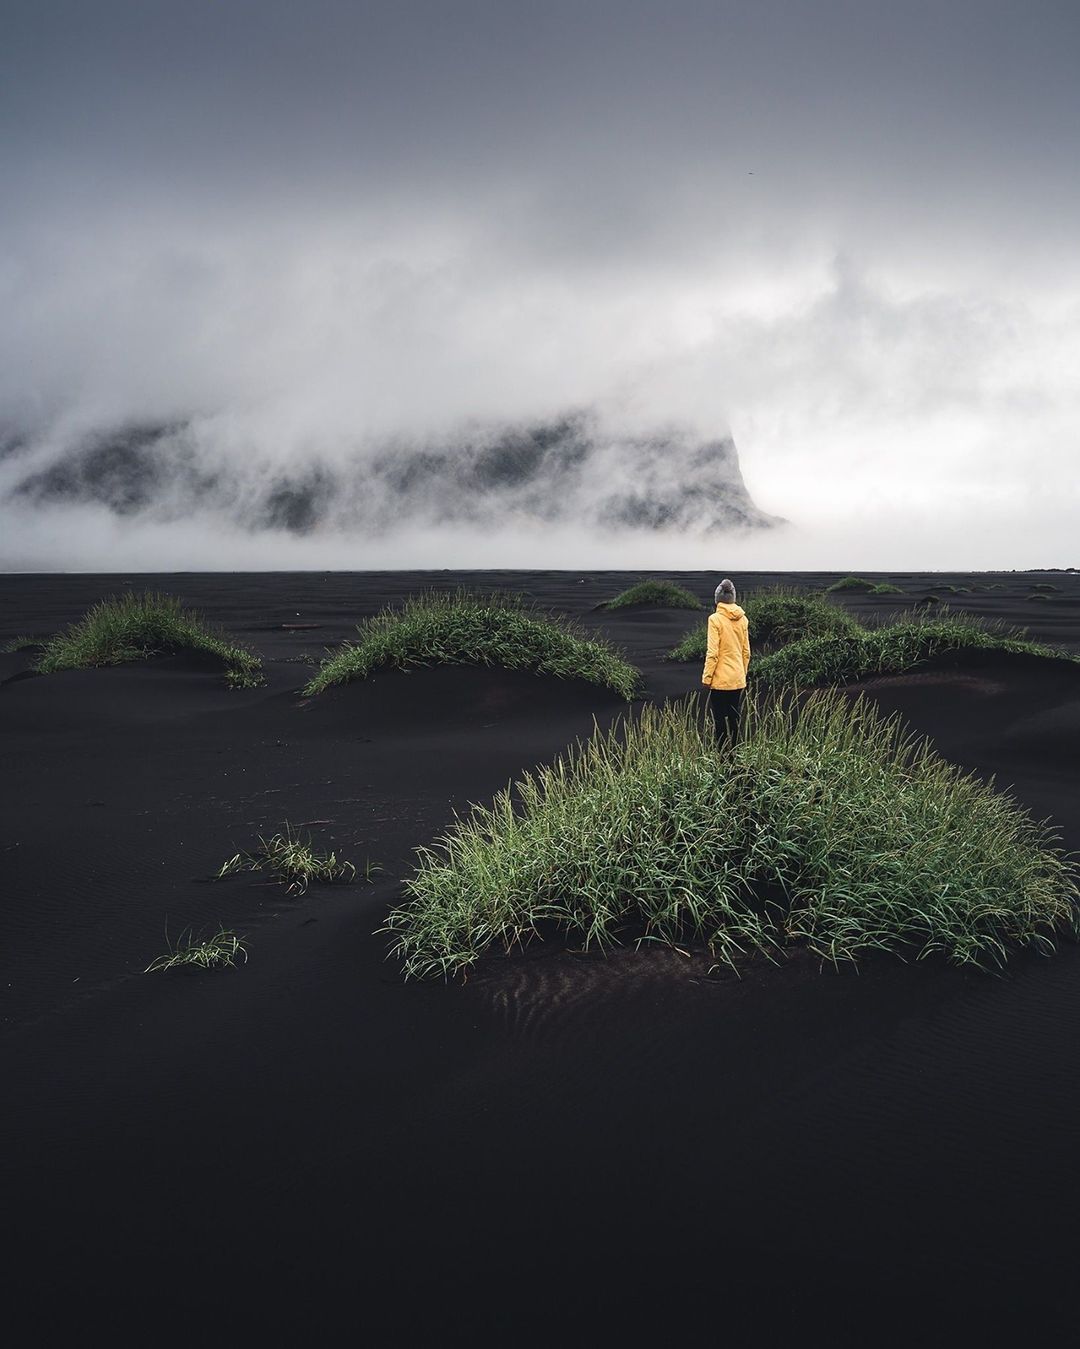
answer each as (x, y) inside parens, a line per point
(851, 583)
(776, 615)
(465, 628)
(885, 588)
(891, 648)
(827, 825)
(131, 627)
(657, 594)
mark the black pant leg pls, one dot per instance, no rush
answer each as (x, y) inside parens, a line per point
(724, 705)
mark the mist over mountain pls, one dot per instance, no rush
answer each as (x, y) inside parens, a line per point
(569, 470)
(395, 286)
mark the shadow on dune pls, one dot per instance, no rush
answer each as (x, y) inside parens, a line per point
(989, 708)
(168, 687)
(453, 698)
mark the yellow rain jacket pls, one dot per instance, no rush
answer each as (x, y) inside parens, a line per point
(727, 656)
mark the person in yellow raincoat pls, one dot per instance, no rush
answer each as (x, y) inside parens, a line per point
(727, 658)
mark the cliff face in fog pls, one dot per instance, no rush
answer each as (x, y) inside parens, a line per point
(567, 472)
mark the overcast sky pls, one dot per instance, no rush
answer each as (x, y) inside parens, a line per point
(846, 232)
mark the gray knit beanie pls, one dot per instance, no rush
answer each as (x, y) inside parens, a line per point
(725, 592)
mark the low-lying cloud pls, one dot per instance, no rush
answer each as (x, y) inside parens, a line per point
(312, 290)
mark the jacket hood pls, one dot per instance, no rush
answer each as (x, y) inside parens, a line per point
(733, 611)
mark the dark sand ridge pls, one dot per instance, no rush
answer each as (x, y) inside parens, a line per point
(560, 1131)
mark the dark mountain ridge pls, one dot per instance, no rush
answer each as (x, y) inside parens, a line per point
(566, 470)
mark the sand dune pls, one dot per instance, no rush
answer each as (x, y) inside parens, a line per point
(308, 1132)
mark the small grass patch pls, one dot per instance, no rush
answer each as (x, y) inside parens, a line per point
(657, 594)
(885, 588)
(464, 627)
(217, 952)
(828, 825)
(22, 643)
(891, 648)
(850, 583)
(1044, 585)
(776, 615)
(290, 858)
(132, 627)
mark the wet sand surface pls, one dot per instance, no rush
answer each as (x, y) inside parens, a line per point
(567, 1145)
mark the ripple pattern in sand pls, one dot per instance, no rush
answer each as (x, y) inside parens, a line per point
(570, 995)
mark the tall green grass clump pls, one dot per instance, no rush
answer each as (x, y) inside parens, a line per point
(466, 628)
(131, 627)
(777, 615)
(659, 594)
(827, 825)
(891, 648)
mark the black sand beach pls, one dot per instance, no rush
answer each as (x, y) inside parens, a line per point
(565, 1146)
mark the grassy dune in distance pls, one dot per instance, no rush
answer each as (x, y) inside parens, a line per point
(776, 615)
(654, 594)
(471, 628)
(131, 627)
(891, 648)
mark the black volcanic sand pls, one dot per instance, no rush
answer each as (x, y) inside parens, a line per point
(566, 1145)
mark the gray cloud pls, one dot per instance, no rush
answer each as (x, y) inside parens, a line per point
(845, 232)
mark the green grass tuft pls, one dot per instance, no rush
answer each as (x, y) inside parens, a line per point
(776, 615)
(467, 628)
(290, 858)
(885, 588)
(22, 643)
(659, 594)
(827, 825)
(1044, 585)
(132, 627)
(850, 583)
(890, 648)
(218, 951)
